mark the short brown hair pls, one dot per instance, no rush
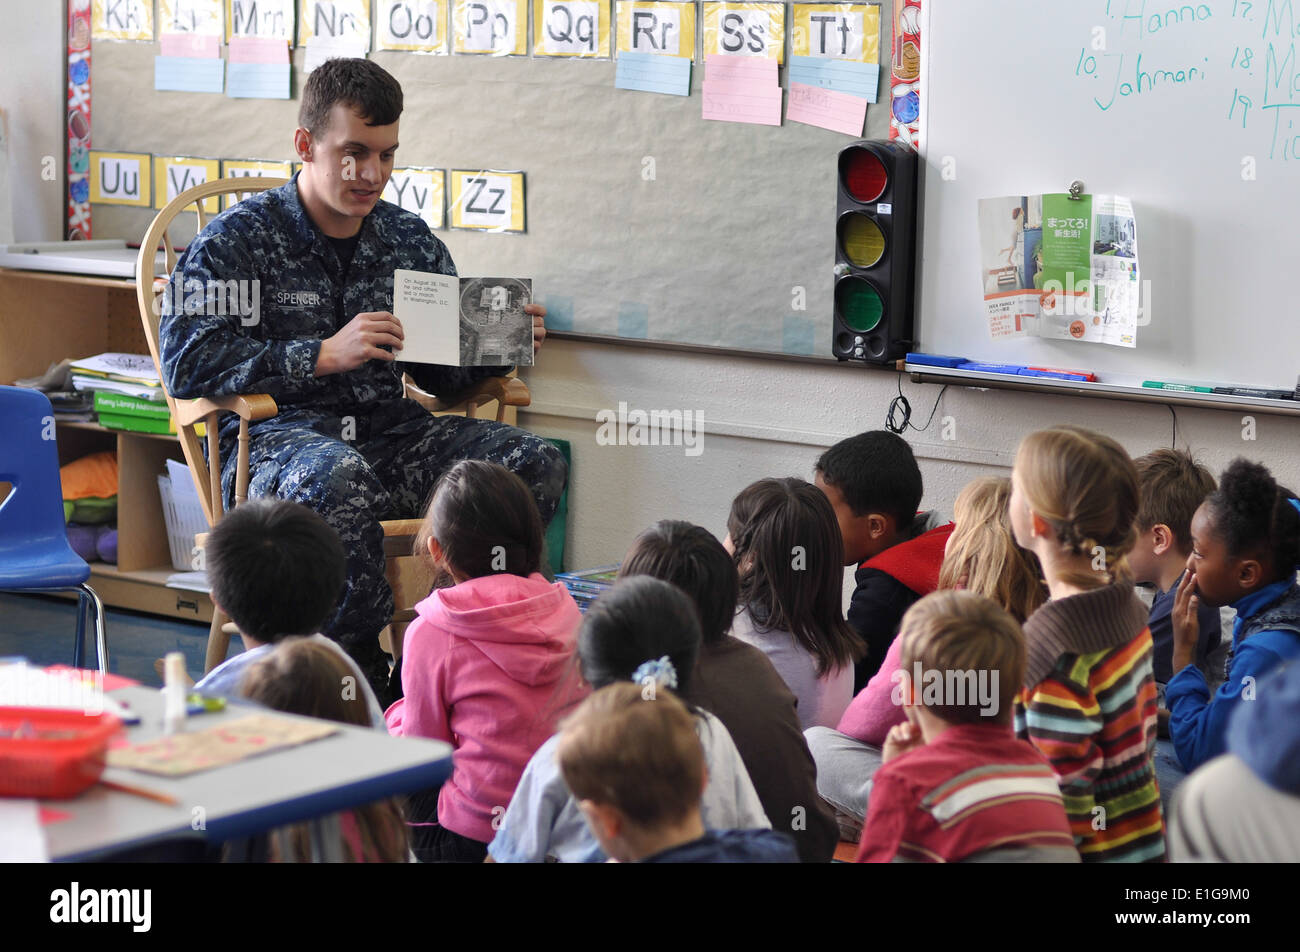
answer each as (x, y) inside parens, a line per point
(360, 84)
(1173, 485)
(959, 634)
(640, 756)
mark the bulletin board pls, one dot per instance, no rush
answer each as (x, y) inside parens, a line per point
(644, 221)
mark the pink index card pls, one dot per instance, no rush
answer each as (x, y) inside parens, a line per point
(742, 89)
(827, 108)
(202, 45)
(258, 49)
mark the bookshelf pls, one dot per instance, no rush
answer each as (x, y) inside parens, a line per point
(45, 317)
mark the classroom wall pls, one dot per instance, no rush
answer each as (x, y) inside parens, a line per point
(761, 417)
(770, 418)
(31, 94)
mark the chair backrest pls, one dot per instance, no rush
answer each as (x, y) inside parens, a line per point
(149, 287)
(29, 461)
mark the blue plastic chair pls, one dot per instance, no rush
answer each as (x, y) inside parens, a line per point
(34, 552)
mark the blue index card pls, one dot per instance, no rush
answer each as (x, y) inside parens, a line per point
(856, 79)
(188, 74)
(798, 335)
(258, 81)
(653, 73)
(633, 317)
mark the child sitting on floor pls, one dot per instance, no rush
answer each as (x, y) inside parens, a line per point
(874, 486)
(1088, 702)
(645, 631)
(636, 768)
(981, 556)
(1245, 551)
(736, 681)
(956, 784)
(488, 664)
(277, 569)
(303, 676)
(786, 544)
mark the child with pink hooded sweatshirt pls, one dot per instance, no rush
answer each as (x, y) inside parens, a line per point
(488, 665)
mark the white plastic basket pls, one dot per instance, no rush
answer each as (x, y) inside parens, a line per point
(183, 514)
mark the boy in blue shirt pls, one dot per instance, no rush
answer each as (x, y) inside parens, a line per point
(1173, 485)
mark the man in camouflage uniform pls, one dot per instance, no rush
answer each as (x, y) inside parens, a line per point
(316, 333)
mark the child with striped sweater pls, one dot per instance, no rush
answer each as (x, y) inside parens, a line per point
(1088, 701)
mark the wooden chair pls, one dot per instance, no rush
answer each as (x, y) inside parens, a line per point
(404, 572)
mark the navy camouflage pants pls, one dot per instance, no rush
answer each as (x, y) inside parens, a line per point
(358, 468)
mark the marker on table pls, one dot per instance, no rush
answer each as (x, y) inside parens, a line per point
(1186, 387)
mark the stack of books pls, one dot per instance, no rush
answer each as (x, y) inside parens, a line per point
(131, 375)
(127, 392)
(586, 586)
(117, 411)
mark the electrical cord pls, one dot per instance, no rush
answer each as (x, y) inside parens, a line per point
(899, 417)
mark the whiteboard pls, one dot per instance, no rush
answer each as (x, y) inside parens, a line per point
(1211, 163)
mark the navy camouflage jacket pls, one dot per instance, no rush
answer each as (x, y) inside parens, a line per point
(219, 337)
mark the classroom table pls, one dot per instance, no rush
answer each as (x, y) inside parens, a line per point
(291, 785)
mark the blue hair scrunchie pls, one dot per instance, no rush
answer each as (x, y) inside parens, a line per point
(661, 672)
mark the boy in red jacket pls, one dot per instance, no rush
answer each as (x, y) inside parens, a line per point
(874, 485)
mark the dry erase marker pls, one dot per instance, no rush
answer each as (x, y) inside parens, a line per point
(1187, 387)
(1256, 392)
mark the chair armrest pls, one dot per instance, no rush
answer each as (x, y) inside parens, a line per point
(509, 391)
(247, 406)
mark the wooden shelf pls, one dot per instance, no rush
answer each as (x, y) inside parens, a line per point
(46, 317)
(84, 280)
(93, 427)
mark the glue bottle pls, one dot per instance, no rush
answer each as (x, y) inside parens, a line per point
(174, 691)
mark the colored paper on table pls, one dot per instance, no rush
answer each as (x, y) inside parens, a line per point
(652, 73)
(322, 48)
(48, 816)
(177, 755)
(826, 108)
(188, 74)
(106, 681)
(258, 49)
(858, 79)
(258, 81)
(197, 45)
(742, 89)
